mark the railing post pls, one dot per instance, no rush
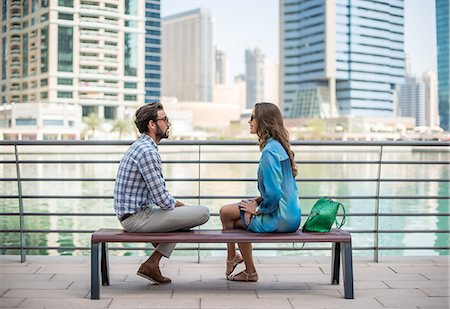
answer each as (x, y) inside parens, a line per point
(198, 190)
(19, 191)
(377, 207)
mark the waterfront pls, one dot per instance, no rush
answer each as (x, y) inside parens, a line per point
(217, 182)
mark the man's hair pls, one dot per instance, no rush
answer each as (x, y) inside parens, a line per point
(146, 113)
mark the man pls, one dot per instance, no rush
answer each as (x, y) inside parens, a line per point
(141, 200)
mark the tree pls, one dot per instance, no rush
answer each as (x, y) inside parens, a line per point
(121, 126)
(93, 122)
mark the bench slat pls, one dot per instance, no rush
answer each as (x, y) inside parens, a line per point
(218, 236)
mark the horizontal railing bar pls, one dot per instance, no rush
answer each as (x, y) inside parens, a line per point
(216, 214)
(226, 143)
(222, 249)
(350, 231)
(216, 197)
(239, 179)
(218, 162)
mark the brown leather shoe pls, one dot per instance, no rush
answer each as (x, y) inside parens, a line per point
(153, 274)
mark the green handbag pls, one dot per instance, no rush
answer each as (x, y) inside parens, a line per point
(323, 215)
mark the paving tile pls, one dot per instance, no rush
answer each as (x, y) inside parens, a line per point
(18, 269)
(291, 294)
(414, 301)
(26, 277)
(417, 284)
(6, 302)
(84, 277)
(393, 293)
(59, 303)
(420, 269)
(43, 285)
(45, 259)
(40, 293)
(318, 301)
(63, 269)
(436, 291)
(241, 294)
(245, 303)
(130, 290)
(155, 303)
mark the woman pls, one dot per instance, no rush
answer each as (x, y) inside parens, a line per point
(277, 209)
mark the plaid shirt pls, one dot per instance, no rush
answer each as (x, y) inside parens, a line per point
(139, 181)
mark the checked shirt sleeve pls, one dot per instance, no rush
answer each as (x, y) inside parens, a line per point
(149, 166)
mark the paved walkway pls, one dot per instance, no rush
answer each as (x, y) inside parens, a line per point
(285, 282)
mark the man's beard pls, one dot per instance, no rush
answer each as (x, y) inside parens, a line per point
(160, 134)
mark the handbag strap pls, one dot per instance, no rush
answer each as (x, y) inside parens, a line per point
(339, 225)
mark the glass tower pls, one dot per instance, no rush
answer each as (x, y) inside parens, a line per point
(152, 50)
(443, 53)
(341, 57)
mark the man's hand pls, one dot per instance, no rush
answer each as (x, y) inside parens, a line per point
(247, 217)
(179, 204)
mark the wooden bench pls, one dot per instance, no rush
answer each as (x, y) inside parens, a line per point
(340, 240)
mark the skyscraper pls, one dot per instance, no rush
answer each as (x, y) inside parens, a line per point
(188, 61)
(443, 55)
(74, 52)
(340, 57)
(220, 76)
(431, 99)
(254, 76)
(411, 99)
(152, 50)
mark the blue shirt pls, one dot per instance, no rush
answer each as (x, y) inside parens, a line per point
(139, 181)
(280, 208)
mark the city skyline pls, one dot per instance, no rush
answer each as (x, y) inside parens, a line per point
(420, 38)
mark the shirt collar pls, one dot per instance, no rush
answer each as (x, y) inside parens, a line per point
(148, 139)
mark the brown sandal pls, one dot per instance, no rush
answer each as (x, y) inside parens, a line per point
(244, 276)
(233, 263)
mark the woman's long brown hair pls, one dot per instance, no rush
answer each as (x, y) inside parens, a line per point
(270, 124)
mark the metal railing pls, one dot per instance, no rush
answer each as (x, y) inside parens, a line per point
(380, 163)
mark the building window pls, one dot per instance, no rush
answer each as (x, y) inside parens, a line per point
(66, 3)
(65, 16)
(152, 85)
(50, 137)
(44, 50)
(25, 55)
(130, 85)
(44, 95)
(131, 7)
(53, 122)
(87, 110)
(44, 3)
(65, 81)
(110, 112)
(65, 47)
(26, 122)
(24, 86)
(26, 7)
(131, 56)
(44, 82)
(34, 6)
(24, 98)
(130, 97)
(65, 94)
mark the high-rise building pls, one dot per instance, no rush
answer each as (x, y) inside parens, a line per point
(340, 57)
(443, 55)
(254, 76)
(82, 52)
(431, 99)
(411, 100)
(188, 59)
(220, 67)
(152, 50)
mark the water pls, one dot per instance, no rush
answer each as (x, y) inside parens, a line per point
(238, 189)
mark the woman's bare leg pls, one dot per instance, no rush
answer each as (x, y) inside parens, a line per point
(230, 215)
(247, 253)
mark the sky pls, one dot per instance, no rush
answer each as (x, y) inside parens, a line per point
(246, 24)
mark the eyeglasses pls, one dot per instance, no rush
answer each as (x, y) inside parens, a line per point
(252, 117)
(165, 119)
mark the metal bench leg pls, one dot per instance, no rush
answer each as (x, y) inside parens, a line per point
(105, 264)
(347, 267)
(335, 262)
(95, 271)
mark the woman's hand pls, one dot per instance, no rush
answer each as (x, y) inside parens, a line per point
(249, 206)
